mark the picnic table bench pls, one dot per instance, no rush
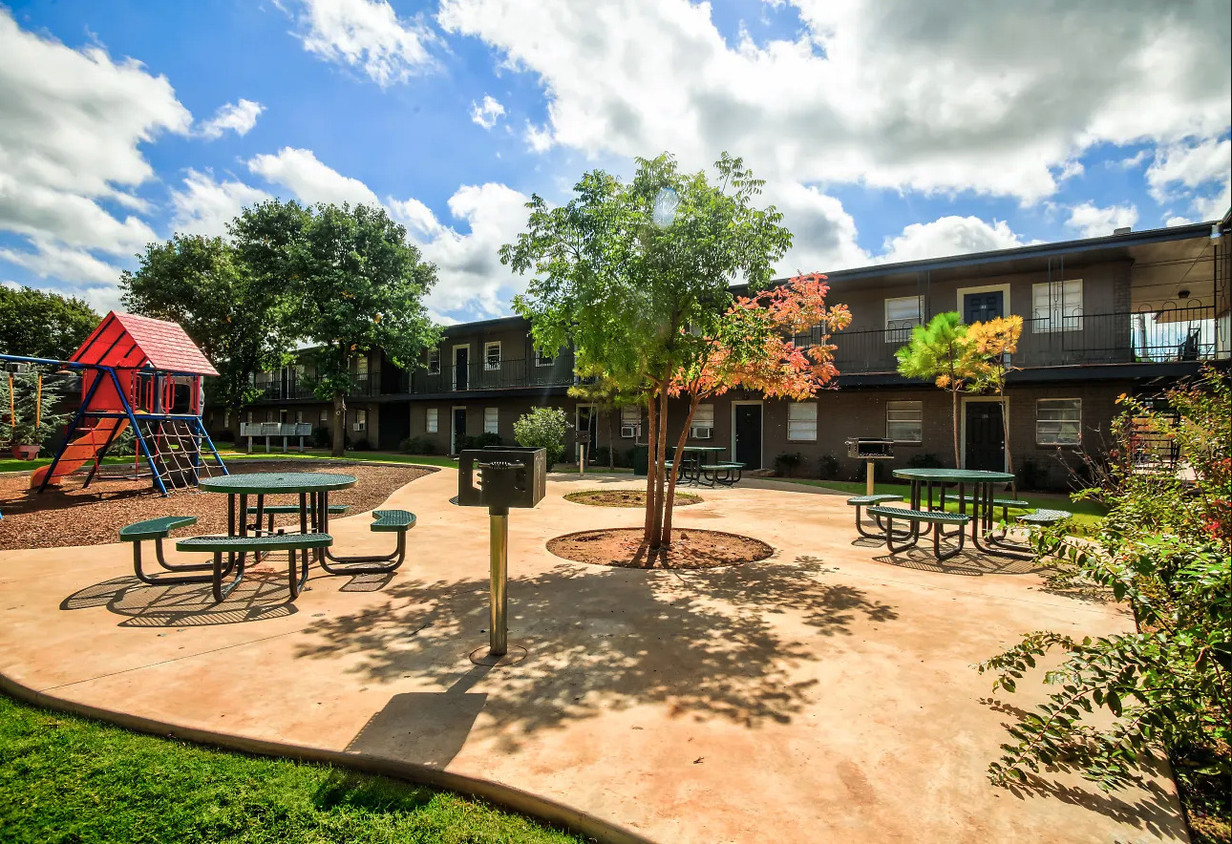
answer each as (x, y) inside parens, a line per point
(908, 539)
(236, 547)
(727, 474)
(860, 501)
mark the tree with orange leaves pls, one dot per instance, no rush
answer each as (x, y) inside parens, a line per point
(752, 348)
(992, 343)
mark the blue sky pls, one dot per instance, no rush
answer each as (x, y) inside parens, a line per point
(886, 130)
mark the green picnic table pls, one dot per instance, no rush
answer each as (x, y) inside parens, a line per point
(980, 482)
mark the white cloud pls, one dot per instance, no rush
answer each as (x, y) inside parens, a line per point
(1092, 221)
(366, 34)
(469, 272)
(487, 113)
(70, 146)
(238, 117)
(204, 206)
(947, 236)
(823, 234)
(1177, 221)
(1197, 170)
(52, 260)
(311, 181)
(931, 96)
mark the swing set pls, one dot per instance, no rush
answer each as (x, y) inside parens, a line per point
(141, 374)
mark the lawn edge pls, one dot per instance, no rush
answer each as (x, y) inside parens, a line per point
(507, 797)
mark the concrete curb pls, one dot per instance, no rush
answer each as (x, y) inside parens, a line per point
(507, 797)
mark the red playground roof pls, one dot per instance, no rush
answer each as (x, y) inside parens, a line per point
(128, 341)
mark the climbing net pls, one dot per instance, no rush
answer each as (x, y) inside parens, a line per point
(180, 451)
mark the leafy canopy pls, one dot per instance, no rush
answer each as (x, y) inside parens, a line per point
(43, 325)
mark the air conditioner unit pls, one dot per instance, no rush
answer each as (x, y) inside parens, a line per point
(702, 433)
(628, 431)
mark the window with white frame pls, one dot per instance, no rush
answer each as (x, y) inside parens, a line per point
(905, 421)
(491, 418)
(361, 366)
(492, 355)
(226, 419)
(802, 421)
(434, 361)
(630, 421)
(324, 418)
(1056, 306)
(902, 314)
(361, 421)
(431, 420)
(703, 422)
(1058, 422)
(542, 358)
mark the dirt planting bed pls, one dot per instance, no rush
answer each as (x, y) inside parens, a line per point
(625, 498)
(690, 549)
(71, 515)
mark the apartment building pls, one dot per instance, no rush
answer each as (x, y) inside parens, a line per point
(1127, 313)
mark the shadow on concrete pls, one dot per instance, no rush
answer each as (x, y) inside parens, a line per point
(429, 727)
(965, 564)
(261, 595)
(704, 641)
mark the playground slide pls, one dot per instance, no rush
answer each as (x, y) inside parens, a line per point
(81, 450)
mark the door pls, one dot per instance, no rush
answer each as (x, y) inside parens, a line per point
(587, 422)
(985, 445)
(981, 307)
(747, 435)
(458, 430)
(461, 367)
(393, 425)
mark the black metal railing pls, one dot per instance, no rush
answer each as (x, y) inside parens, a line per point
(491, 376)
(1164, 336)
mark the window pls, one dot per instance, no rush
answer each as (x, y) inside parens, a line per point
(226, 419)
(905, 421)
(431, 420)
(802, 421)
(324, 418)
(361, 421)
(361, 366)
(491, 417)
(1056, 306)
(703, 422)
(1058, 422)
(492, 355)
(901, 315)
(630, 421)
(541, 359)
(434, 361)
(269, 416)
(299, 417)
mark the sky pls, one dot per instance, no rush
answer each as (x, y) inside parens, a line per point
(886, 130)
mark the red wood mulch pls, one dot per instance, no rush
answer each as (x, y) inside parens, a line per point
(690, 549)
(71, 515)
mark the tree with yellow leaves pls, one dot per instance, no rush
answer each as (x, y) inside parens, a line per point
(992, 343)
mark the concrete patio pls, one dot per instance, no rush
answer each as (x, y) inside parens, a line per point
(824, 694)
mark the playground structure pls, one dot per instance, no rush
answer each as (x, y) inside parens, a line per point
(141, 374)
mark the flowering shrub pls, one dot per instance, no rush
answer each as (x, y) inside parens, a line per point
(1165, 547)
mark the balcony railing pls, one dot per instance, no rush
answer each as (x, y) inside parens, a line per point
(485, 376)
(1166, 336)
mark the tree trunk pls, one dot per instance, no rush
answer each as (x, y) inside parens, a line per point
(611, 443)
(652, 464)
(338, 446)
(1009, 455)
(235, 427)
(957, 459)
(669, 503)
(656, 528)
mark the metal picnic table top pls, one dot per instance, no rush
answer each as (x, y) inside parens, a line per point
(957, 476)
(273, 483)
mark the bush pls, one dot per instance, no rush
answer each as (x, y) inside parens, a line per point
(928, 460)
(359, 445)
(462, 442)
(1166, 547)
(543, 427)
(322, 437)
(827, 467)
(417, 445)
(787, 463)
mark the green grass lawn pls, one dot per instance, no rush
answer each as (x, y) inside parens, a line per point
(69, 779)
(1087, 514)
(379, 457)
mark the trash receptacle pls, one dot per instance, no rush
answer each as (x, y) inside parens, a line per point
(641, 460)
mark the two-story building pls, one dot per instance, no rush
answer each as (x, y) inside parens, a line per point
(1129, 312)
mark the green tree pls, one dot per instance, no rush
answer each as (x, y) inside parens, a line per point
(604, 394)
(635, 275)
(353, 284)
(992, 344)
(41, 324)
(941, 350)
(231, 312)
(543, 427)
(28, 407)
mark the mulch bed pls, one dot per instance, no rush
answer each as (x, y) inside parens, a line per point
(690, 549)
(71, 515)
(625, 498)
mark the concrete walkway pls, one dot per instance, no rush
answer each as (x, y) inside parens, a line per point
(824, 694)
